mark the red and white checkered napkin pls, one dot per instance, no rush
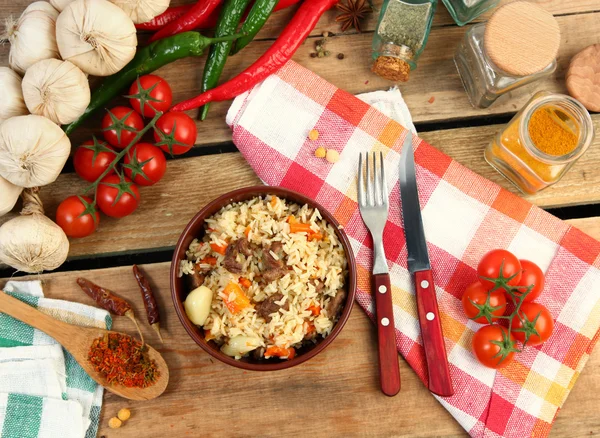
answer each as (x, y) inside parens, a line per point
(464, 216)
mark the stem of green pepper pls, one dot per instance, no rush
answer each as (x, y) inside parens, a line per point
(115, 161)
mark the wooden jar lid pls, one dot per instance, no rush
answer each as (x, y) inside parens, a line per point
(583, 77)
(521, 38)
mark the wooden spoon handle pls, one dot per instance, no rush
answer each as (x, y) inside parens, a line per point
(30, 315)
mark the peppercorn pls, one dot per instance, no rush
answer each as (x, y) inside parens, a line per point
(313, 54)
(340, 56)
(320, 152)
(114, 423)
(124, 414)
(313, 134)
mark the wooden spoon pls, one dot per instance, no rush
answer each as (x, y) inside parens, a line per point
(77, 340)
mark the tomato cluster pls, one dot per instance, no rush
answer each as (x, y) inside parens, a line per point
(115, 166)
(503, 277)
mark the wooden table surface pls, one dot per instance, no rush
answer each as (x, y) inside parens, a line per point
(337, 392)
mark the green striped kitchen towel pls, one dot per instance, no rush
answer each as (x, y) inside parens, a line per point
(27, 416)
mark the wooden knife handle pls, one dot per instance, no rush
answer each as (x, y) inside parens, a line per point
(431, 332)
(389, 371)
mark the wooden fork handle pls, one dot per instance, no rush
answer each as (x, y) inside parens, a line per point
(431, 333)
(389, 371)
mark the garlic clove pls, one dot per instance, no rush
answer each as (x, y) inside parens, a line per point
(141, 11)
(9, 195)
(33, 150)
(57, 90)
(96, 36)
(33, 36)
(59, 5)
(11, 95)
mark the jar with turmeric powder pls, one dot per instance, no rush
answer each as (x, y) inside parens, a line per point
(541, 142)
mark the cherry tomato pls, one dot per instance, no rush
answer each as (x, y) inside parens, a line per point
(532, 275)
(92, 158)
(182, 139)
(74, 216)
(120, 125)
(492, 276)
(117, 196)
(474, 303)
(149, 94)
(537, 320)
(154, 167)
(490, 354)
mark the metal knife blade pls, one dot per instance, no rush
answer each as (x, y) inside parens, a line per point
(418, 258)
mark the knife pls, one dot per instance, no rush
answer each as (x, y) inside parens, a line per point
(419, 265)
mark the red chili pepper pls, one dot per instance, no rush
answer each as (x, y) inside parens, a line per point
(191, 20)
(160, 21)
(272, 60)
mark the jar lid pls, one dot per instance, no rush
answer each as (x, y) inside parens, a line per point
(521, 38)
(583, 77)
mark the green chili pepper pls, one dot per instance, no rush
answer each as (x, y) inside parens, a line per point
(256, 19)
(229, 19)
(146, 60)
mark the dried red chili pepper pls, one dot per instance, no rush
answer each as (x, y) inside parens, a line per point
(149, 300)
(123, 360)
(272, 60)
(160, 21)
(107, 299)
(190, 20)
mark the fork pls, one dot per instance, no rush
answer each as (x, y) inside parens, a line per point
(374, 205)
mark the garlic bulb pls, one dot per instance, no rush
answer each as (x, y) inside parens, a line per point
(11, 96)
(9, 193)
(57, 90)
(33, 37)
(141, 11)
(60, 4)
(32, 242)
(96, 36)
(33, 150)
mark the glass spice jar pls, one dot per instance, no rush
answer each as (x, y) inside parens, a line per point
(464, 11)
(541, 142)
(400, 37)
(518, 45)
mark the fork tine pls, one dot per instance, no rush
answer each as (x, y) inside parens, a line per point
(361, 181)
(377, 194)
(369, 183)
(384, 190)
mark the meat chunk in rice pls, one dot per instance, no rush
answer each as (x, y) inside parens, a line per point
(335, 304)
(236, 247)
(273, 269)
(268, 307)
(196, 278)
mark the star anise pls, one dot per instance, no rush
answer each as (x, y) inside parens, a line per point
(352, 12)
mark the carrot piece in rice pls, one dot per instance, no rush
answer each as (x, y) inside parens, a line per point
(240, 302)
(245, 282)
(208, 261)
(300, 228)
(315, 309)
(283, 353)
(247, 231)
(274, 201)
(220, 249)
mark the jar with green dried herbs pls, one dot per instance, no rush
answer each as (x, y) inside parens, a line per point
(401, 36)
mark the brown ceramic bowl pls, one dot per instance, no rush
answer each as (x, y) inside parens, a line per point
(179, 289)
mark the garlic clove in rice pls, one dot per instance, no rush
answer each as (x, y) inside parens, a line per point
(57, 90)
(33, 150)
(141, 11)
(197, 304)
(9, 194)
(32, 37)
(96, 35)
(11, 95)
(31, 242)
(59, 5)
(239, 345)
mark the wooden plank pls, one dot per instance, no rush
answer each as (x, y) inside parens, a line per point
(435, 77)
(167, 207)
(336, 393)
